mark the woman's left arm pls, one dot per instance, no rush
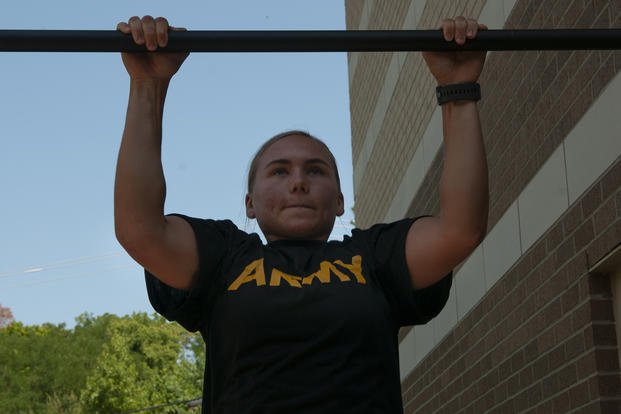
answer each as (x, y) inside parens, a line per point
(435, 245)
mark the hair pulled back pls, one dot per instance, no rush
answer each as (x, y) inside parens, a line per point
(252, 172)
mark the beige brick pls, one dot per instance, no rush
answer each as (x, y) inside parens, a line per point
(532, 101)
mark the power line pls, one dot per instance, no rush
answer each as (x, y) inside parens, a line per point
(105, 271)
(60, 264)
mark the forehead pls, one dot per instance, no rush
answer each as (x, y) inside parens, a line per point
(295, 148)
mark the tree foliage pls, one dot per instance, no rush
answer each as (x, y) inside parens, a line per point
(106, 364)
(6, 317)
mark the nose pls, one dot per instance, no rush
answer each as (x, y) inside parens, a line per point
(298, 182)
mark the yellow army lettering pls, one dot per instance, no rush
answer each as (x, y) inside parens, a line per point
(256, 272)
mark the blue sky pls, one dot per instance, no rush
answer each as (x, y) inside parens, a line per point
(61, 120)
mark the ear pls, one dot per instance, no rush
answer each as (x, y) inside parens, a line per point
(340, 207)
(249, 207)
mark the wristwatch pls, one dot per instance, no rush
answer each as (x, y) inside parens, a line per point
(470, 91)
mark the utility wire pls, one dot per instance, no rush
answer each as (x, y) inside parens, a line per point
(61, 264)
(70, 276)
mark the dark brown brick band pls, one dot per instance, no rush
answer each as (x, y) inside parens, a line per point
(543, 338)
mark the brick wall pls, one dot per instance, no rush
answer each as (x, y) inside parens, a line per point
(410, 109)
(542, 339)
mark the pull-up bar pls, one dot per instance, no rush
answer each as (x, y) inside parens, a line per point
(310, 41)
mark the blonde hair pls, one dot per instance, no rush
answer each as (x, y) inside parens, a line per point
(252, 171)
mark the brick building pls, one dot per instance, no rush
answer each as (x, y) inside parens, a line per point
(530, 323)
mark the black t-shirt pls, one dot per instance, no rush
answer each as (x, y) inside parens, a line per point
(300, 326)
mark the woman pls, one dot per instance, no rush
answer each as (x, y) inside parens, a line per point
(300, 324)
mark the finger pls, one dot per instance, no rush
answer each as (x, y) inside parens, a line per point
(482, 27)
(460, 30)
(123, 28)
(148, 27)
(448, 29)
(161, 31)
(136, 27)
(471, 28)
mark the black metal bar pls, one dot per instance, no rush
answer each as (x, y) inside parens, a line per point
(310, 41)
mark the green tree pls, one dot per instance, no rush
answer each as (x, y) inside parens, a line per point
(27, 355)
(63, 404)
(144, 362)
(106, 364)
(35, 361)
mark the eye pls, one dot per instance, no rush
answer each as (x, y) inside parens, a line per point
(279, 171)
(315, 171)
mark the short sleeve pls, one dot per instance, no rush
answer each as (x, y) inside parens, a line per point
(387, 249)
(191, 308)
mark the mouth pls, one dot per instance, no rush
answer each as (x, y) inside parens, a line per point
(299, 206)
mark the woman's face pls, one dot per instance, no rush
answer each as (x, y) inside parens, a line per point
(295, 193)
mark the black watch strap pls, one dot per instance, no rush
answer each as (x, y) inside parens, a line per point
(458, 92)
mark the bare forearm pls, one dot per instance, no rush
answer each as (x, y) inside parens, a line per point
(140, 188)
(464, 194)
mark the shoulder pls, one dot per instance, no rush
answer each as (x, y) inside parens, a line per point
(200, 223)
(221, 230)
(380, 231)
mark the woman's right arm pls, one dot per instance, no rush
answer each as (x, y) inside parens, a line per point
(165, 246)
